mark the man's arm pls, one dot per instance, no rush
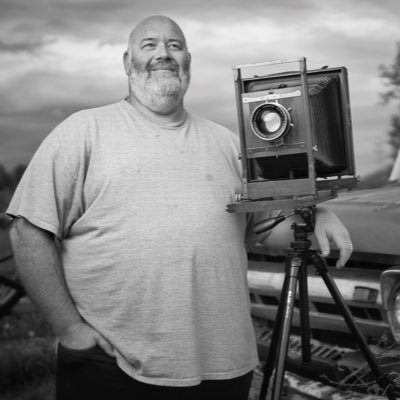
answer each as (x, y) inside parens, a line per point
(40, 272)
(328, 230)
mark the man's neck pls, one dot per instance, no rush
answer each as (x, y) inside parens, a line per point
(176, 115)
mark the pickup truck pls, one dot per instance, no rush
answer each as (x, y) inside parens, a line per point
(369, 284)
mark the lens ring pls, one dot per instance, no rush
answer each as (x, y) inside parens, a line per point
(270, 121)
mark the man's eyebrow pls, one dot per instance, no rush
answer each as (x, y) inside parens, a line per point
(169, 40)
(146, 39)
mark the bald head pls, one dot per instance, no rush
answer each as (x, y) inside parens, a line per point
(156, 22)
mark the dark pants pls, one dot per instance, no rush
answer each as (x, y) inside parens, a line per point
(92, 374)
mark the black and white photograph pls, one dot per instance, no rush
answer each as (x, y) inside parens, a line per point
(199, 200)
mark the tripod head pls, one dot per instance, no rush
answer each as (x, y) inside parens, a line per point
(301, 228)
(306, 213)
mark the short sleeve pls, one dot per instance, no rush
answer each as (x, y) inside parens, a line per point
(49, 194)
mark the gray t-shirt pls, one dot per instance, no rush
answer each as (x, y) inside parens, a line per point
(150, 256)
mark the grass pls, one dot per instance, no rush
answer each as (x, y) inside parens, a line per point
(27, 357)
(25, 364)
(20, 326)
(38, 390)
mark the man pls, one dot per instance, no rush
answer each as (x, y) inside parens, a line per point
(145, 284)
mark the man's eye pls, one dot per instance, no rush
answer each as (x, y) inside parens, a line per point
(174, 46)
(148, 46)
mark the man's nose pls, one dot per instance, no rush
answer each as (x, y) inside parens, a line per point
(162, 51)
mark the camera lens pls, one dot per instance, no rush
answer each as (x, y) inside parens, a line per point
(270, 121)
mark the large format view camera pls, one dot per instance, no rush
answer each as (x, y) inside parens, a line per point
(295, 134)
(296, 151)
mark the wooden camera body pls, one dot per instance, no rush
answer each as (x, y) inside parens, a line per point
(295, 134)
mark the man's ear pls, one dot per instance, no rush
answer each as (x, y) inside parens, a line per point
(127, 62)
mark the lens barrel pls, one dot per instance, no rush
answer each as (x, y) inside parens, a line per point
(270, 121)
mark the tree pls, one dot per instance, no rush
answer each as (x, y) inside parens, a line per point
(391, 74)
(9, 180)
(394, 135)
(5, 178)
(17, 173)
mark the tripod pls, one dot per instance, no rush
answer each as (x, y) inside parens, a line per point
(296, 272)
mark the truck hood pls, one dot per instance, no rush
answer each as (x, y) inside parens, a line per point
(372, 217)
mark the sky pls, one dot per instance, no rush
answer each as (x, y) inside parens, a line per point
(60, 56)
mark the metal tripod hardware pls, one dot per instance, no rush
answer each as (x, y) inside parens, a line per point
(296, 272)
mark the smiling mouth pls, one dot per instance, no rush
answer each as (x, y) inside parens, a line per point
(163, 68)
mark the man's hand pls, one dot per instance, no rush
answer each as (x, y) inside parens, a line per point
(82, 336)
(329, 228)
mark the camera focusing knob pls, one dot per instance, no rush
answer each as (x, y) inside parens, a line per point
(239, 197)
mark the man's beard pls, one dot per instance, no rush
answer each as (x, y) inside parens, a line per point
(160, 87)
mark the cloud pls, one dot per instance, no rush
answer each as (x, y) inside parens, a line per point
(31, 45)
(69, 72)
(62, 55)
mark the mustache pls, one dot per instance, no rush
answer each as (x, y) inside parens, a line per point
(160, 65)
